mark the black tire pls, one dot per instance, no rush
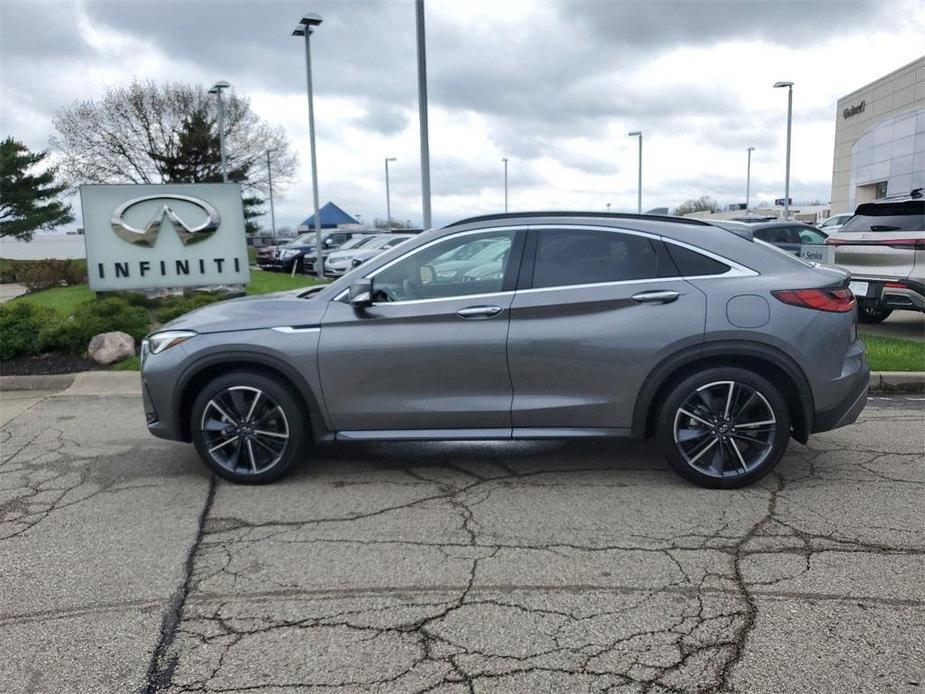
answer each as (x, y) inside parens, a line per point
(263, 439)
(873, 313)
(718, 451)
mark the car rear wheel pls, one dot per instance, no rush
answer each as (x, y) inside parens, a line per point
(247, 427)
(873, 313)
(723, 427)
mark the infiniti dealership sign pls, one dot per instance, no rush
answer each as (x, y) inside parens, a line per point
(164, 236)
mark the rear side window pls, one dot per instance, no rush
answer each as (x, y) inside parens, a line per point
(693, 264)
(782, 234)
(888, 216)
(566, 257)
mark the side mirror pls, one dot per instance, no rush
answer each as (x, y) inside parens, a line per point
(361, 293)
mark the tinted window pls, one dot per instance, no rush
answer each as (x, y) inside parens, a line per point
(691, 264)
(578, 256)
(808, 235)
(781, 234)
(435, 272)
(889, 216)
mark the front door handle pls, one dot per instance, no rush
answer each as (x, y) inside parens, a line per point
(479, 311)
(659, 296)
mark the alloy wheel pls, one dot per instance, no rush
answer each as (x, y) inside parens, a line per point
(725, 429)
(245, 430)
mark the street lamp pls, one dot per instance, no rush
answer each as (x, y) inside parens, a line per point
(789, 86)
(638, 133)
(504, 159)
(388, 199)
(217, 90)
(304, 28)
(422, 112)
(608, 208)
(748, 177)
(270, 184)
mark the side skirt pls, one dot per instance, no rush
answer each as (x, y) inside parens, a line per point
(482, 434)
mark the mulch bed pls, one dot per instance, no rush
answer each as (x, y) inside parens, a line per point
(46, 364)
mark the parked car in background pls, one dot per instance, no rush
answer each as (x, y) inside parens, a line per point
(310, 257)
(264, 256)
(883, 246)
(720, 347)
(346, 261)
(833, 223)
(293, 253)
(790, 236)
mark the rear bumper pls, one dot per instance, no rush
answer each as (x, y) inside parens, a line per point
(854, 387)
(903, 294)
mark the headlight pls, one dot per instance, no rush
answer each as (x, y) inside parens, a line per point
(289, 254)
(159, 342)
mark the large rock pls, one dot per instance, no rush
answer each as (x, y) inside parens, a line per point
(107, 348)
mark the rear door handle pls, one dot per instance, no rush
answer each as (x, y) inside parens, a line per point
(479, 311)
(658, 296)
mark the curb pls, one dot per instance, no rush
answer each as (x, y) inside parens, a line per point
(896, 382)
(47, 382)
(102, 382)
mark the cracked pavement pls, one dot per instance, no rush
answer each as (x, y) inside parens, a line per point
(463, 567)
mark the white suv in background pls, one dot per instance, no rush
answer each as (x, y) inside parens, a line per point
(834, 223)
(883, 246)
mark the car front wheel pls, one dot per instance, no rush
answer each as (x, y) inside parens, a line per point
(723, 427)
(247, 427)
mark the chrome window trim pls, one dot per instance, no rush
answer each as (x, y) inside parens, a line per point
(443, 298)
(519, 227)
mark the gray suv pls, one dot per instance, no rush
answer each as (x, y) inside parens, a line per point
(719, 346)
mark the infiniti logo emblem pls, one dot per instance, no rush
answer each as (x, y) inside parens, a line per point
(147, 236)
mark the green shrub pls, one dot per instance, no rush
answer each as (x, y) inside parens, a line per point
(73, 334)
(176, 306)
(20, 324)
(45, 274)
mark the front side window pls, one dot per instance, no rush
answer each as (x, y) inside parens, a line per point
(457, 266)
(566, 257)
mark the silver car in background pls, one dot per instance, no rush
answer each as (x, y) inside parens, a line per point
(883, 247)
(720, 347)
(341, 263)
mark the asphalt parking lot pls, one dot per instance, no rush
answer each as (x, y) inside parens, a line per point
(532, 567)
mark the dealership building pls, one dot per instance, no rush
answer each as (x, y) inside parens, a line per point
(880, 139)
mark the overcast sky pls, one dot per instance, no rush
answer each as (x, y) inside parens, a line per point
(553, 85)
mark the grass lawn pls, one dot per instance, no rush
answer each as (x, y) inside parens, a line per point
(894, 354)
(65, 299)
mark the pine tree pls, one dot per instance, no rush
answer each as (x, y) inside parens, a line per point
(28, 202)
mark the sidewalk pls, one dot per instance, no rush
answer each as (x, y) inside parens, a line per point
(10, 291)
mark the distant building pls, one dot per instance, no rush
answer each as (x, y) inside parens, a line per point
(331, 218)
(880, 139)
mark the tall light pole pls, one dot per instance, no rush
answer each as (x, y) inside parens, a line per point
(270, 184)
(388, 198)
(608, 208)
(217, 90)
(504, 159)
(789, 85)
(748, 177)
(305, 29)
(638, 133)
(422, 112)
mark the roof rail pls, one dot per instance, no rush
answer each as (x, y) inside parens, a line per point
(562, 213)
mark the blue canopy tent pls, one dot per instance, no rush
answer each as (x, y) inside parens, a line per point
(331, 217)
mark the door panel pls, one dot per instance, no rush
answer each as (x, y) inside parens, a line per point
(579, 355)
(417, 364)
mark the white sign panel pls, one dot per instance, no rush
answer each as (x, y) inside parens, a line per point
(163, 236)
(818, 253)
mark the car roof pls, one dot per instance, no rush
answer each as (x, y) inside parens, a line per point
(580, 214)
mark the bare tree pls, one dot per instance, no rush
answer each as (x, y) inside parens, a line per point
(132, 135)
(702, 204)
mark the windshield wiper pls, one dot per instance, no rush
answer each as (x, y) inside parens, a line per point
(884, 227)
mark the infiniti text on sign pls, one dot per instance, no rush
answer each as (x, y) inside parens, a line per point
(164, 236)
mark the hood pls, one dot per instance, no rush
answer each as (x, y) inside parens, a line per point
(252, 313)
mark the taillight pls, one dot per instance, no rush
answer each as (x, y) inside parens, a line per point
(832, 300)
